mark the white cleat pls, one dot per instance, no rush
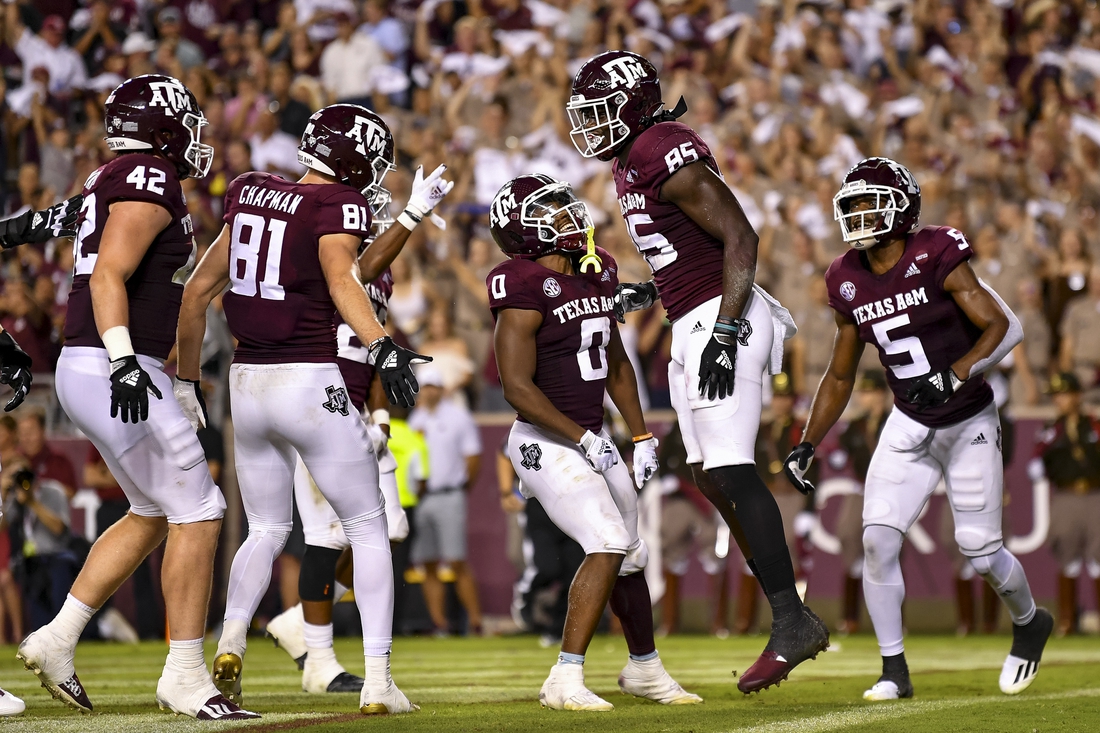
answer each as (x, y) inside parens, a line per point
(1017, 674)
(650, 680)
(564, 690)
(10, 704)
(194, 695)
(888, 690)
(321, 677)
(384, 700)
(51, 660)
(288, 631)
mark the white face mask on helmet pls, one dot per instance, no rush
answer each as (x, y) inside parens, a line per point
(863, 229)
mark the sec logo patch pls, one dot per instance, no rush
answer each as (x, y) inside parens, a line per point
(551, 288)
(848, 291)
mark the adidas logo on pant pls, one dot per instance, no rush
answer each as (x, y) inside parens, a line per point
(697, 327)
(980, 440)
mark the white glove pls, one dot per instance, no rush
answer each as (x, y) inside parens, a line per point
(378, 440)
(425, 196)
(598, 451)
(645, 461)
(189, 395)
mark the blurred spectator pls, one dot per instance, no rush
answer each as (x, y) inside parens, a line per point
(390, 34)
(45, 463)
(409, 303)
(99, 36)
(454, 454)
(293, 115)
(347, 61)
(47, 49)
(449, 352)
(39, 509)
(272, 149)
(1080, 348)
(1032, 356)
(11, 602)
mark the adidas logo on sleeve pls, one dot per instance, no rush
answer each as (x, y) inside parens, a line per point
(980, 440)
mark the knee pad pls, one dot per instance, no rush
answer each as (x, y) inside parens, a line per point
(739, 483)
(636, 559)
(369, 531)
(978, 541)
(274, 534)
(318, 575)
(881, 554)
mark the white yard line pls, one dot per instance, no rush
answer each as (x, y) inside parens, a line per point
(883, 712)
(144, 722)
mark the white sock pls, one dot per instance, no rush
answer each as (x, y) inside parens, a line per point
(377, 669)
(70, 621)
(234, 637)
(884, 586)
(186, 655)
(1005, 574)
(339, 590)
(319, 643)
(370, 546)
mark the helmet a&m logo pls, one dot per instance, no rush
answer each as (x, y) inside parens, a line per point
(624, 71)
(368, 134)
(502, 207)
(169, 93)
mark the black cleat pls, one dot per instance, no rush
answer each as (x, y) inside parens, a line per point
(787, 648)
(345, 682)
(1028, 642)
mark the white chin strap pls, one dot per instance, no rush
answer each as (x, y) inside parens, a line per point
(863, 242)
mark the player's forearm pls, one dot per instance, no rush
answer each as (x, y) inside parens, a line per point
(832, 397)
(381, 253)
(530, 402)
(110, 301)
(738, 271)
(355, 308)
(622, 386)
(190, 332)
(992, 337)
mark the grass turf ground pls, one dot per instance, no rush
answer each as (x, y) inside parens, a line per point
(493, 684)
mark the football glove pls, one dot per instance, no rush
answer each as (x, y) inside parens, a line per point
(32, 227)
(378, 439)
(394, 367)
(130, 388)
(15, 370)
(598, 451)
(645, 461)
(189, 395)
(797, 464)
(934, 389)
(719, 359)
(425, 196)
(631, 297)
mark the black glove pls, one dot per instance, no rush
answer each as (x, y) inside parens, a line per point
(130, 388)
(719, 359)
(797, 464)
(934, 389)
(631, 297)
(394, 367)
(15, 370)
(31, 227)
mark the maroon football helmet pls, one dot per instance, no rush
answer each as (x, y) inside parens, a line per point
(895, 208)
(534, 215)
(615, 96)
(158, 113)
(351, 144)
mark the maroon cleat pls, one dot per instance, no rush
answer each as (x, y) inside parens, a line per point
(220, 708)
(786, 649)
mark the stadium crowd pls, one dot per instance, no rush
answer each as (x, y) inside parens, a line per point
(992, 104)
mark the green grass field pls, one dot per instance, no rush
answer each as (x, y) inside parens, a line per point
(493, 684)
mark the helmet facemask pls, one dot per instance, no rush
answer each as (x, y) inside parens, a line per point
(379, 167)
(560, 218)
(198, 155)
(597, 130)
(381, 218)
(864, 228)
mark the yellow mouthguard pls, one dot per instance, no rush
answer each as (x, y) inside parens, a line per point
(591, 259)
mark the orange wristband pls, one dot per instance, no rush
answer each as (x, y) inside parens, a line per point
(640, 438)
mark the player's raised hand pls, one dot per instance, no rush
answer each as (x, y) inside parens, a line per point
(645, 460)
(130, 388)
(719, 359)
(189, 394)
(797, 464)
(598, 451)
(631, 297)
(426, 195)
(934, 389)
(15, 370)
(394, 366)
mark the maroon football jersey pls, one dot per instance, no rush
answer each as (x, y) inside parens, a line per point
(686, 261)
(278, 305)
(571, 343)
(155, 289)
(917, 328)
(351, 353)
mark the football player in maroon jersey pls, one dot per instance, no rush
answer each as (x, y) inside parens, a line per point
(289, 253)
(327, 547)
(726, 331)
(132, 252)
(912, 294)
(556, 332)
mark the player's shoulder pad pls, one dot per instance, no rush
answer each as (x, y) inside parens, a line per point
(940, 240)
(137, 177)
(252, 178)
(337, 194)
(516, 283)
(840, 267)
(664, 149)
(340, 209)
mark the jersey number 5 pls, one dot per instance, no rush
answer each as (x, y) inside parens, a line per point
(244, 249)
(910, 344)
